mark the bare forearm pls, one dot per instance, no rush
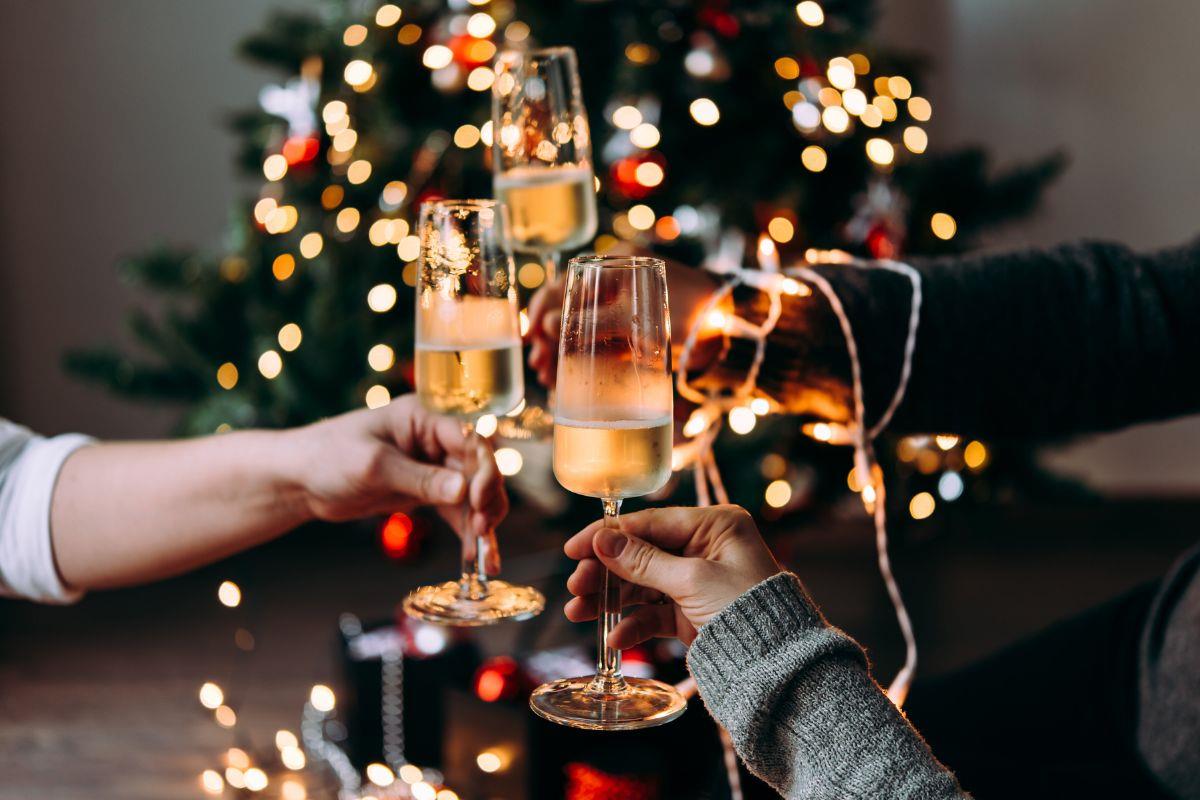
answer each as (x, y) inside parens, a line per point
(135, 512)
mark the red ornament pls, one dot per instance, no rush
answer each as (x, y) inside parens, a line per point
(624, 174)
(471, 52)
(399, 536)
(300, 149)
(585, 782)
(717, 17)
(500, 678)
(880, 241)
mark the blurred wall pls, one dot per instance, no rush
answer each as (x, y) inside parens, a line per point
(112, 140)
(1112, 83)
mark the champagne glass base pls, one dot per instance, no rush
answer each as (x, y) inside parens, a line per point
(571, 702)
(443, 604)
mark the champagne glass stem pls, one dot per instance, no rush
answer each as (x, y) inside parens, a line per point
(473, 584)
(608, 680)
(550, 264)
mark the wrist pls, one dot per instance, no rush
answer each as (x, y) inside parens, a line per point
(287, 458)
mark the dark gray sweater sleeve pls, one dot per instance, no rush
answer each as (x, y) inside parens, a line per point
(802, 710)
(1073, 339)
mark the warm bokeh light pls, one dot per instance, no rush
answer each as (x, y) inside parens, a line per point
(854, 101)
(899, 87)
(381, 357)
(378, 396)
(836, 119)
(256, 779)
(275, 166)
(270, 364)
(509, 461)
(486, 425)
(778, 494)
(388, 15)
(359, 171)
(409, 248)
(466, 136)
(922, 505)
(283, 266)
(880, 151)
(211, 696)
(358, 72)
(841, 73)
(322, 698)
(380, 774)
(943, 225)
(810, 13)
(347, 219)
(742, 420)
(354, 35)
(649, 174)
(437, 56)
(919, 109)
(704, 111)
(781, 229)
(285, 738)
(226, 718)
(481, 25)
(229, 594)
(975, 455)
(227, 375)
(641, 217)
(290, 336)
(813, 157)
(645, 136)
(212, 782)
(480, 79)
(787, 68)
(915, 139)
(531, 275)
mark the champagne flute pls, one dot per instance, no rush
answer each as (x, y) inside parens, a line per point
(612, 440)
(542, 153)
(468, 364)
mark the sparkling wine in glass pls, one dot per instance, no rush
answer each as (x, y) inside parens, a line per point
(468, 364)
(612, 440)
(542, 153)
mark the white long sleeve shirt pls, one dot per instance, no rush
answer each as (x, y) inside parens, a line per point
(29, 467)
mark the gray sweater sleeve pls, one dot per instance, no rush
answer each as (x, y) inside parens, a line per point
(802, 710)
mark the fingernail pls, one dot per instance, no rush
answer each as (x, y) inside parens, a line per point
(452, 486)
(610, 543)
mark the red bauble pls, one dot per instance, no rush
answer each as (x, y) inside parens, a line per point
(400, 536)
(300, 149)
(623, 174)
(585, 782)
(469, 51)
(881, 242)
(500, 678)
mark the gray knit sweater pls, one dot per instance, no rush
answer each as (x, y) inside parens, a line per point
(1042, 343)
(802, 710)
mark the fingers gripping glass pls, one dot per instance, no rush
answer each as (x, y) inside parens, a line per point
(612, 440)
(468, 364)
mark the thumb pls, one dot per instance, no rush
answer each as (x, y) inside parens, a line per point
(425, 483)
(641, 563)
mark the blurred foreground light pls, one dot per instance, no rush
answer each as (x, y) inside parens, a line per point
(290, 336)
(229, 594)
(322, 698)
(810, 13)
(358, 72)
(285, 739)
(380, 775)
(943, 225)
(813, 158)
(211, 695)
(381, 298)
(742, 420)
(509, 461)
(212, 782)
(779, 494)
(381, 357)
(256, 779)
(227, 376)
(387, 15)
(292, 790)
(226, 718)
(410, 773)
(270, 364)
(975, 455)
(292, 758)
(378, 396)
(486, 425)
(922, 505)
(705, 111)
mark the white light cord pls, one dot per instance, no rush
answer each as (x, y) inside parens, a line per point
(711, 412)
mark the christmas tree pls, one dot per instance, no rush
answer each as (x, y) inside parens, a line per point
(713, 123)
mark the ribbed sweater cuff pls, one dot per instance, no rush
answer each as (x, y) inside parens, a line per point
(753, 627)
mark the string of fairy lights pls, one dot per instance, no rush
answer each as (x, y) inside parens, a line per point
(833, 102)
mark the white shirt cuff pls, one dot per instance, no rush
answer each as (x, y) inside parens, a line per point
(27, 565)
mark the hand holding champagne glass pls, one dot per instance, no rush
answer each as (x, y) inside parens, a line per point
(542, 153)
(612, 440)
(468, 364)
